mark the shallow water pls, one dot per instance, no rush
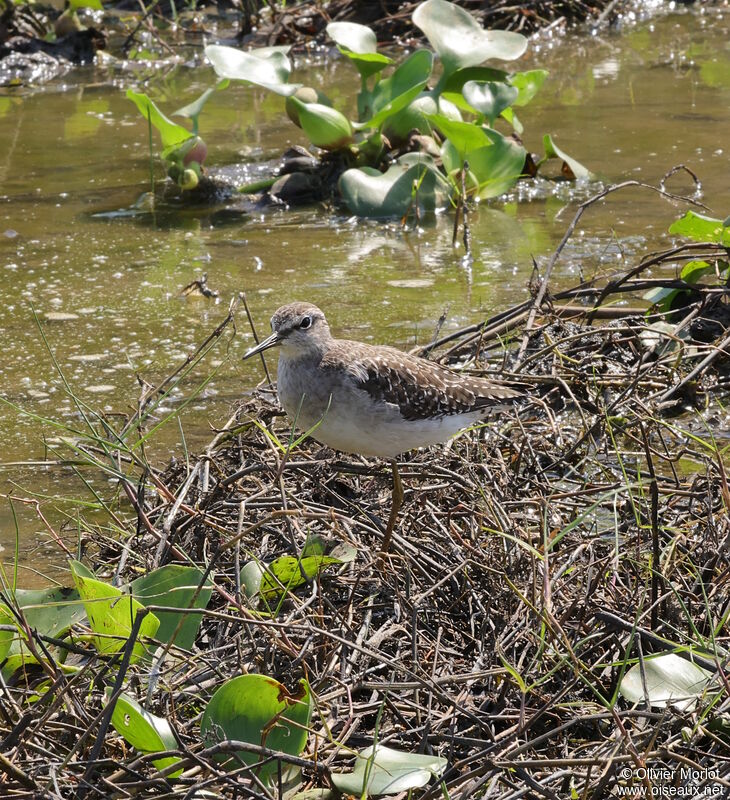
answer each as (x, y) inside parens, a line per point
(629, 104)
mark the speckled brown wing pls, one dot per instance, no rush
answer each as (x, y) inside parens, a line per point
(421, 389)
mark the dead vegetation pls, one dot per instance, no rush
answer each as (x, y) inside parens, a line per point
(535, 558)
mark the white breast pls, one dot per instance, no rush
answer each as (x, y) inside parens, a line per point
(347, 418)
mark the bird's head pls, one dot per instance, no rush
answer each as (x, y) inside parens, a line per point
(300, 329)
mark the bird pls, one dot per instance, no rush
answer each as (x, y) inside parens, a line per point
(370, 400)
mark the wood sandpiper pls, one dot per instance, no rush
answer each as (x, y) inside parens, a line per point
(369, 399)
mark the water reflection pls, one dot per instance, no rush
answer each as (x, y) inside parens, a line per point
(106, 286)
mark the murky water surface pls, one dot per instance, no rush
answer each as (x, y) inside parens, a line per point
(108, 287)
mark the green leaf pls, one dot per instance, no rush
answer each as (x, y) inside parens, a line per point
(258, 710)
(360, 45)
(393, 94)
(700, 228)
(553, 151)
(292, 572)
(413, 117)
(528, 84)
(308, 95)
(50, 611)
(496, 168)
(464, 136)
(511, 117)
(460, 40)
(192, 110)
(170, 132)
(326, 127)
(111, 614)
(314, 546)
(369, 193)
(454, 83)
(251, 575)
(356, 38)
(383, 771)
(661, 296)
(495, 162)
(94, 5)
(174, 586)
(367, 64)
(490, 99)
(144, 731)
(670, 680)
(6, 637)
(692, 271)
(265, 67)
(344, 553)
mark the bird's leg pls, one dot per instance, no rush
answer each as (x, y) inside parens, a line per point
(396, 503)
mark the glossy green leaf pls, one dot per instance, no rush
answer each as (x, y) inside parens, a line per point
(454, 83)
(251, 575)
(700, 228)
(258, 710)
(6, 637)
(94, 5)
(308, 95)
(344, 553)
(50, 611)
(369, 193)
(20, 658)
(661, 296)
(384, 771)
(464, 136)
(353, 36)
(553, 151)
(511, 117)
(460, 40)
(692, 271)
(170, 132)
(326, 127)
(360, 45)
(192, 110)
(498, 167)
(490, 99)
(144, 731)
(314, 546)
(265, 67)
(367, 64)
(111, 614)
(174, 586)
(287, 572)
(393, 94)
(669, 680)
(527, 84)
(413, 117)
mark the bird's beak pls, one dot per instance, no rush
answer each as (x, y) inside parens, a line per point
(270, 341)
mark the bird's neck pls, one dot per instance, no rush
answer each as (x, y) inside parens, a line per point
(311, 354)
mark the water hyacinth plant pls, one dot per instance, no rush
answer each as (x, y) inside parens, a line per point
(426, 128)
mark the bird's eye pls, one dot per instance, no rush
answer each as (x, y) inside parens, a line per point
(305, 323)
